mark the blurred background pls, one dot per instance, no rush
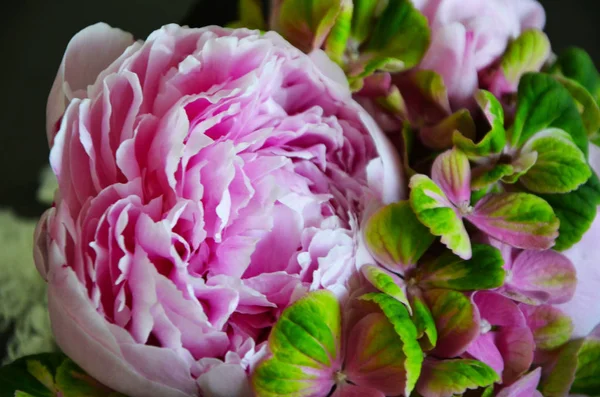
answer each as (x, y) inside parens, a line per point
(34, 34)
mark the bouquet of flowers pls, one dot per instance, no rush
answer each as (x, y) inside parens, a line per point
(327, 198)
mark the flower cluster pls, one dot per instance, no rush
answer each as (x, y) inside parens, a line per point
(380, 198)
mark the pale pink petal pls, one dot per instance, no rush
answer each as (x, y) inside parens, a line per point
(485, 350)
(526, 386)
(88, 53)
(88, 339)
(531, 14)
(541, 277)
(517, 346)
(451, 55)
(225, 380)
(394, 180)
(451, 171)
(498, 310)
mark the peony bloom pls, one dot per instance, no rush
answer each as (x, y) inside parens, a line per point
(207, 179)
(468, 36)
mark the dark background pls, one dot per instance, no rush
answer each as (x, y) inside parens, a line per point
(34, 34)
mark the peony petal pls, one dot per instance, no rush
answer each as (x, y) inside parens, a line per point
(88, 53)
(225, 380)
(394, 180)
(89, 340)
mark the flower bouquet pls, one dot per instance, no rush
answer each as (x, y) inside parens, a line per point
(327, 198)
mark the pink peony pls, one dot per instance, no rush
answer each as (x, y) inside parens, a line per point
(469, 35)
(207, 179)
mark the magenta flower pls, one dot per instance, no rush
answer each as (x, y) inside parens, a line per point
(468, 36)
(207, 179)
(526, 386)
(443, 202)
(505, 343)
(536, 277)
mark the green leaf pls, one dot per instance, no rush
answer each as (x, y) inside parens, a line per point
(365, 14)
(398, 41)
(28, 375)
(588, 107)
(305, 344)
(434, 210)
(587, 375)
(483, 271)
(484, 176)
(393, 102)
(576, 64)
(522, 220)
(337, 40)
(576, 369)
(456, 321)
(396, 238)
(495, 140)
(386, 283)
(301, 339)
(441, 135)
(520, 166)
(374, 351)
(423, 319)
(73, 382)
(398, 315)
(448, 377)
(551, 328)
(562, 374)
(428, 95)
(560, 166)
(47, 375)
(306, 23)
(525, 54)
(488, 391)
(408, 141)
(250, 15)
(576, 212)
(544, 103)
